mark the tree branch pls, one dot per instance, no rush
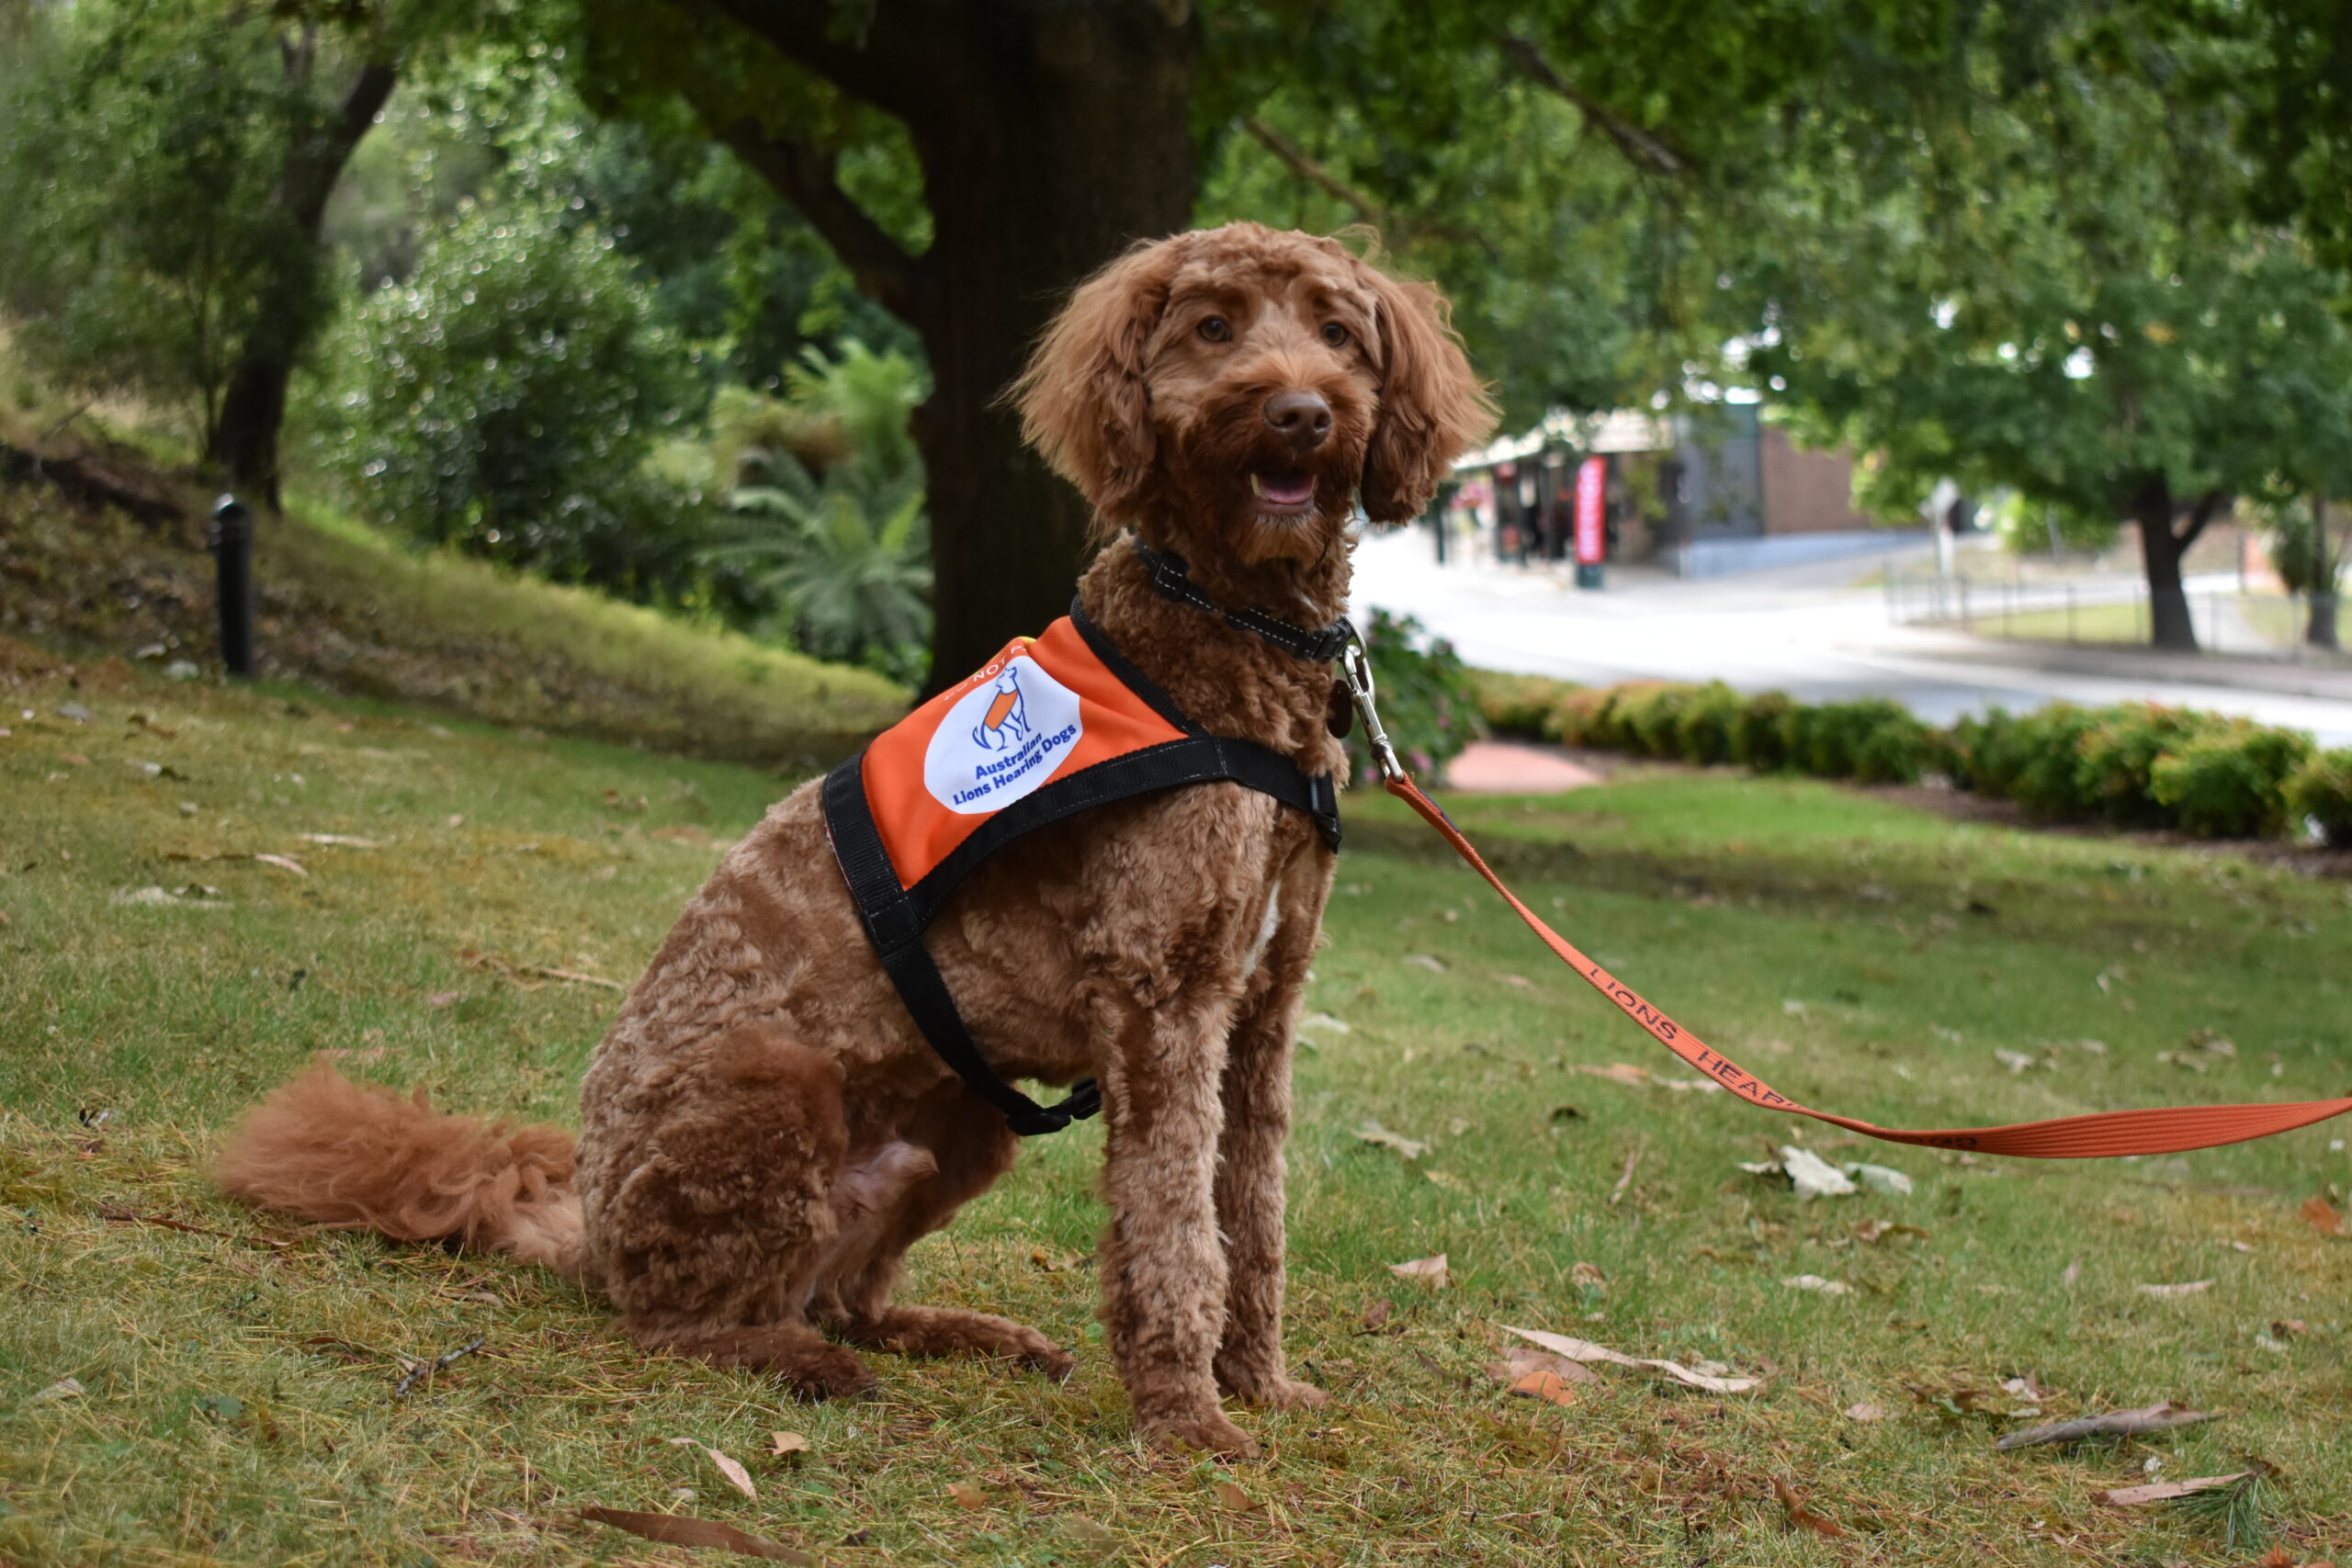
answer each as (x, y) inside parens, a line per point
(1648, 152)
(900, 81)
(2210, 505)
(806, 176)
(1394, 227)
(1296, 160)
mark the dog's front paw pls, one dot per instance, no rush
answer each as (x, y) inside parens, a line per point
(1285, 1393)
(1210, 1433)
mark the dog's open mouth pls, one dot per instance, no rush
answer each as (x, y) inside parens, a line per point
(1283, 492)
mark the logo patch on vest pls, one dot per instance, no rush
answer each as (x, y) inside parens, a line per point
(1002, 739)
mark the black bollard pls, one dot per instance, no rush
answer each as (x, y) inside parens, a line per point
(231, 542)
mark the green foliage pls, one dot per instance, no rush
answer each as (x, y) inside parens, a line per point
(2305, 551)
(1873, 741)
(2229, 784)
(504, 402)
(1762, 735)
(2116, 758)
(1708, 729)
(143, 143)
(2321, 791)
(1517, 705)
(1429, 703)
(842, 553)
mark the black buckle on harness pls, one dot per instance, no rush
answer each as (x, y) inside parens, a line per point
(1320, 646)
(1085, 1099)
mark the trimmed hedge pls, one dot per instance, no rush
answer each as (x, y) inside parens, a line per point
(2134, 765)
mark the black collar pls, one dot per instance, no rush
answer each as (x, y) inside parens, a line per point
(1317, 646)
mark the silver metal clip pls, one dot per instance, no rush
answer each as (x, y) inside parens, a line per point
(1356, 671)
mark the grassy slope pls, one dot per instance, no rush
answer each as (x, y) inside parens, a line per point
(344, 606)
(1836, 943)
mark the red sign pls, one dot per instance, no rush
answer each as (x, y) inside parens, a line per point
(1592, 489)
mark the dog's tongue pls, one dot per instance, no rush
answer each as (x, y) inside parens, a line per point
(1283, 490)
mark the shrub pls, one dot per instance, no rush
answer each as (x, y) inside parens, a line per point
(1518, 704)
(2117, 758)
(1762, 735)
(1974, 749)
(1709, 721)
(2035, 760)
(2230, 785)
(505, 400)
(1428, 702)
(1874, 741)
(1582, 717)
(2321, 791)
(1648, 719)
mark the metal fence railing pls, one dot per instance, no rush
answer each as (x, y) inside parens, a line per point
(2099, 610)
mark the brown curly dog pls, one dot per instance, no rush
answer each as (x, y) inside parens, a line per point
(765, 1130)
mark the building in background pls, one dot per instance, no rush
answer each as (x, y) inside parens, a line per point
(1702, 494)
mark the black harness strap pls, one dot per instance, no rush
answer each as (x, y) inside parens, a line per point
(1319, 646)
(895, 918)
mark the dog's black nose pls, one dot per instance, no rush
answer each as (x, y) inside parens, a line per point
(1303, 417)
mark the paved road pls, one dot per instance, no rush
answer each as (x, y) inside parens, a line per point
(1808, 631)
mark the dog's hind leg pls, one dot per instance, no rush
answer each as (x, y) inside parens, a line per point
(710, 1224)
(962, 1147)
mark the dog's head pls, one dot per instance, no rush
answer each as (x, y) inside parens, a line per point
(1241, 389)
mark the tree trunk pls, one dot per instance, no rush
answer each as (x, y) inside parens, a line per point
(244, 442)
(2327, 564)
(2160, 551)
(1051, 136)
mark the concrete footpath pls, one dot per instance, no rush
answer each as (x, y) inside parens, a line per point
(1811, 632)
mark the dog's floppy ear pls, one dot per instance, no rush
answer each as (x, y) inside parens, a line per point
(1082, 400)
(1432, 409)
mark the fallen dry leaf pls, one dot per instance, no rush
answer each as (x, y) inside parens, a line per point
(1586, 1352)
(1815, 1282)
(64, 1387)
(2186, 1288)
(967, 1496)
(1866, 1411)
(684, 1529)
(782, 1443)
(1424, 960)
(2114, 1423)
(1430, 1271)
(284, 863)
(1373, 1132)
(344, 840)
(1545, 1385)
(2320, 1216)
(1540, 1374)
(1800, 1516)
(1234, 1499)
(1088, 1531)
(2165, 1491)
(737, 1476)
(1588, 1276)
(1053, 1262)
(1871, 1232)
(1376, 1315)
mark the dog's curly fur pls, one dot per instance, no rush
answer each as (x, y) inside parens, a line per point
(765, 1133)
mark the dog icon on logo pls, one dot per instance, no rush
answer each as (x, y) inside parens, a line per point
(1006, 723)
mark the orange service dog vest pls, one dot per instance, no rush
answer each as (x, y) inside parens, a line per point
(1051, 726)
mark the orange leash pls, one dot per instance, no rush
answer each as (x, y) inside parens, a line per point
(2107, 1133)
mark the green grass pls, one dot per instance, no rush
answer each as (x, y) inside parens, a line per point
(343, 605)
(1863, 955)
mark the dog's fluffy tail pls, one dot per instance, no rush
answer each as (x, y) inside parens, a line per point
(350, 1157)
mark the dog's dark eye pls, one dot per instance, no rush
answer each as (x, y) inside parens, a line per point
(1335, 334)
(1216, 329)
